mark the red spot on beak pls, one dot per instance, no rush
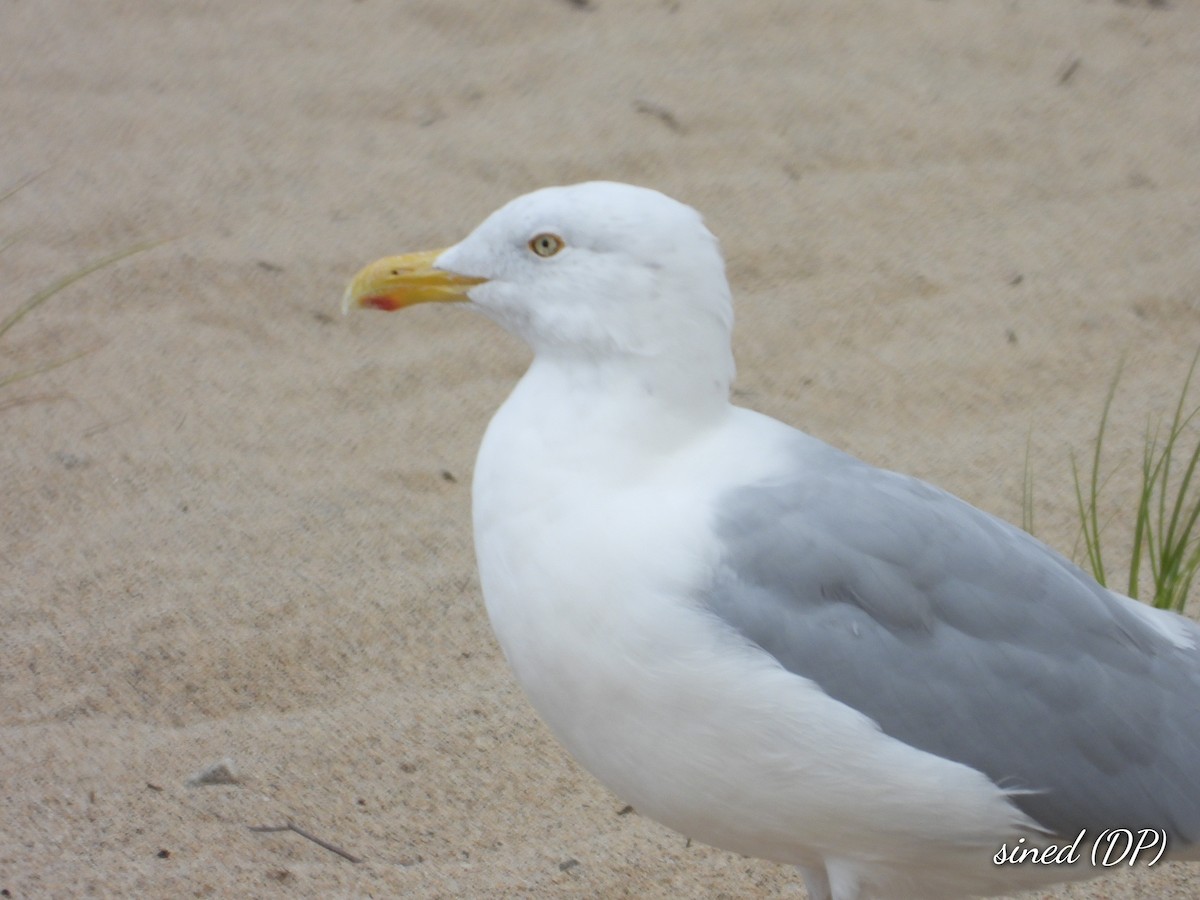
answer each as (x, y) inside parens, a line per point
(387, 304)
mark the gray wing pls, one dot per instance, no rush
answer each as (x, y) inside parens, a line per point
(967, 638)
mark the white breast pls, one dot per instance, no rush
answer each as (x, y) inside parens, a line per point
(591, 571)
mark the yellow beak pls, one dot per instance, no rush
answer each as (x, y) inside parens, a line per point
(395, 282)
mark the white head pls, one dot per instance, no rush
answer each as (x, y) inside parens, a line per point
(598, 267)
(603, 272)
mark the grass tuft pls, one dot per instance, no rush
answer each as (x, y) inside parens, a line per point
(1165, 544)
(1167, 513)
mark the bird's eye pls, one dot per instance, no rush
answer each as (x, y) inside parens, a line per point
(546, 244)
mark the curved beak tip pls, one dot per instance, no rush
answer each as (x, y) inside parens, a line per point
(398, 281)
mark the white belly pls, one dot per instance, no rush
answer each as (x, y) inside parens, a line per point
(594, 591)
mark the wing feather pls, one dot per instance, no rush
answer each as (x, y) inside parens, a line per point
(966, 637)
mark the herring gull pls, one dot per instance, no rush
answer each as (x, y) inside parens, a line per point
(763, 642)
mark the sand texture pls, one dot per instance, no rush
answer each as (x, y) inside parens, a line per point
(236, 526)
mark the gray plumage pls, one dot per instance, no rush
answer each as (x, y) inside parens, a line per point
(965, 637)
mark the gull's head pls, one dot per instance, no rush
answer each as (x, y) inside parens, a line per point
(601, 269)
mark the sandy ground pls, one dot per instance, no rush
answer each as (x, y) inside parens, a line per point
(236, 525)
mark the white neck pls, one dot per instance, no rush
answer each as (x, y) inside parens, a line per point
(606, 424)
(646, 402)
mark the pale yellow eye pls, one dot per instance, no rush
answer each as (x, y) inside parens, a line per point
(546, 244)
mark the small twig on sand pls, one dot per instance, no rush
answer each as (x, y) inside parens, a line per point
(291, 826)
(1065, 75)
(660, 112)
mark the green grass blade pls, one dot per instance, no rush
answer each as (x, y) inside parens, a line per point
(38, 370)
(1089, 508)
(1143, 535)
(46, 293)
(1090, 528)
(21, 185)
